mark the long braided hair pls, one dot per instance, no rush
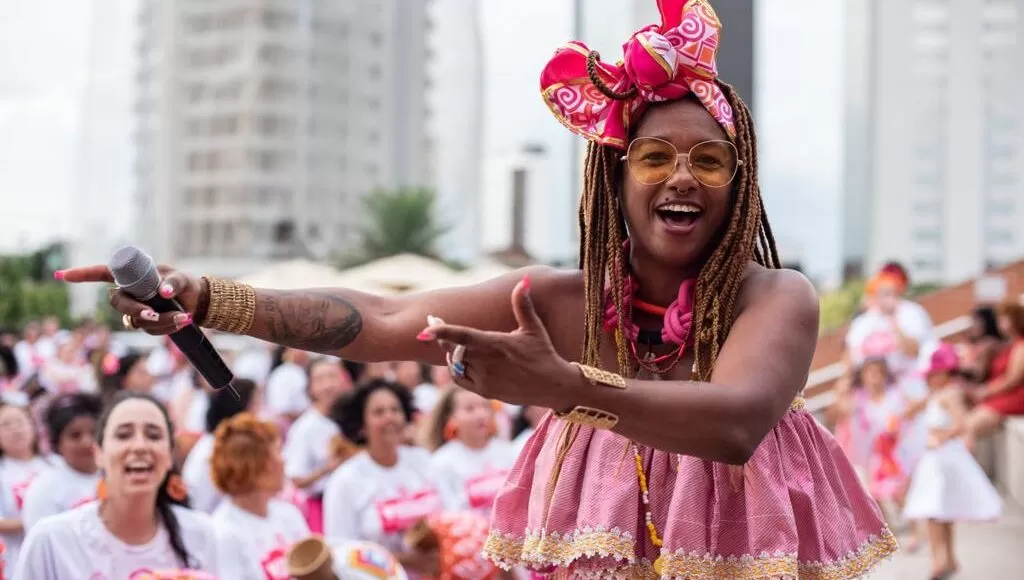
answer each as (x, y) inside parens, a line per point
(603, 259)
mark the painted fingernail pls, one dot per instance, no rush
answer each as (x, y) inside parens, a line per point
(149, 315)
(426, 335)
(58, 275)
(166, 290)
(526, 282)
(182, 320)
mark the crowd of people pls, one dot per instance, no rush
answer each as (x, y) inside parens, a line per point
(910, 409)
(662, 430)
(311, 445)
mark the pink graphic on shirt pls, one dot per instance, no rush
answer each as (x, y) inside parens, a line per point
(18, 490)
(400, 513)
(275, 562)
(879, 343)
(83, 501)
(483, 488)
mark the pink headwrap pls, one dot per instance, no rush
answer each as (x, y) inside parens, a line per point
(661, 63)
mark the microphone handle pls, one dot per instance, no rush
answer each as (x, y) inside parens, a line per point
(196, 347)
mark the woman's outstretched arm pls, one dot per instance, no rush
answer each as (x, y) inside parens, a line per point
(354, 325)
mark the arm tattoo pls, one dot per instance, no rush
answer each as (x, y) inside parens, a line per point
(314, 320)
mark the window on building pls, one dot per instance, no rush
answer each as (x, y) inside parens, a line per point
(1001, 206)
(277, 19)
(927, 265)
(999, 236)
(927, 235)
(276, 55)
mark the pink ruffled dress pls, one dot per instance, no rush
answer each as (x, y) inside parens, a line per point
(572, 508)
(795, 510)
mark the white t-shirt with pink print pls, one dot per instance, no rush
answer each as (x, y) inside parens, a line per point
(364, 500)
(256, 548)
(473, 477)
(57, 490)
(76, 544)
(15, 478)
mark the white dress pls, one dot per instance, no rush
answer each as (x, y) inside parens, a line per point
(948, 484)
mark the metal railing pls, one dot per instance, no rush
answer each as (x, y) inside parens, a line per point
(821, 401)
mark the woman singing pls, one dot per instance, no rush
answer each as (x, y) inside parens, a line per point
(141, 522)
(673, 359)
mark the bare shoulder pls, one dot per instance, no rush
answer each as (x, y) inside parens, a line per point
(785, 291)
(554, 288)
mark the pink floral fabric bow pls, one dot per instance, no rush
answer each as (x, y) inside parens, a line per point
(661, 63)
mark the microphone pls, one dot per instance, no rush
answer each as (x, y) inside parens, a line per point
(135, 273)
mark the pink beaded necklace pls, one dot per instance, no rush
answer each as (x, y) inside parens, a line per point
(676, 328)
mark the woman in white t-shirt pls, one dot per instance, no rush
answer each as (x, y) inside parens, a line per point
(196, 469)
(71, 426)
(310, 452)
(69, 371)
(255, 531)
(381, 492)
(20, 463)
(286, 388)
(469, 460)
(140, 523)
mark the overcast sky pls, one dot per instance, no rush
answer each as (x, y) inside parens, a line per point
(43, 72)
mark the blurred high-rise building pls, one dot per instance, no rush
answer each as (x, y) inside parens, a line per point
(934, 172)
(457, 123)
(262, 123)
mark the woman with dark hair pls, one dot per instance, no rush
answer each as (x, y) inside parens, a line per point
(8, 369)
(20, 463)
(679, 344)
(1002, 395)
(141, 522)
(70, 422)
(196, 469)
(125, 373)
(310, 452)
(384, 490)
(984, 341)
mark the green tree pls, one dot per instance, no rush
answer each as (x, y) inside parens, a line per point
(28, 291)
(398, 222)
(839, 306)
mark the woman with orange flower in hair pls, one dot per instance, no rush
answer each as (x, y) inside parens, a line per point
(141, 522)
(469, 460)
(254, 530)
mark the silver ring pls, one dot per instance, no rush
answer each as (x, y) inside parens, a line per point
(458, 370)
(460, 351)
(455, 364)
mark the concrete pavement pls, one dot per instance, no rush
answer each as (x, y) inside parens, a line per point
(992, 551)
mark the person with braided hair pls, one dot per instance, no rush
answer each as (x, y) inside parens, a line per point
(672, 360)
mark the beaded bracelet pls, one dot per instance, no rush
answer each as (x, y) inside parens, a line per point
(232, 306)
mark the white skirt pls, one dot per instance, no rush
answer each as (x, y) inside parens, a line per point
(949, 486)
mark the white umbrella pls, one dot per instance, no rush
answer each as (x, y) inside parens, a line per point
(398, 274)
(294, 274)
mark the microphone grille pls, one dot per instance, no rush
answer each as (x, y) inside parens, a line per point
(135, 272)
